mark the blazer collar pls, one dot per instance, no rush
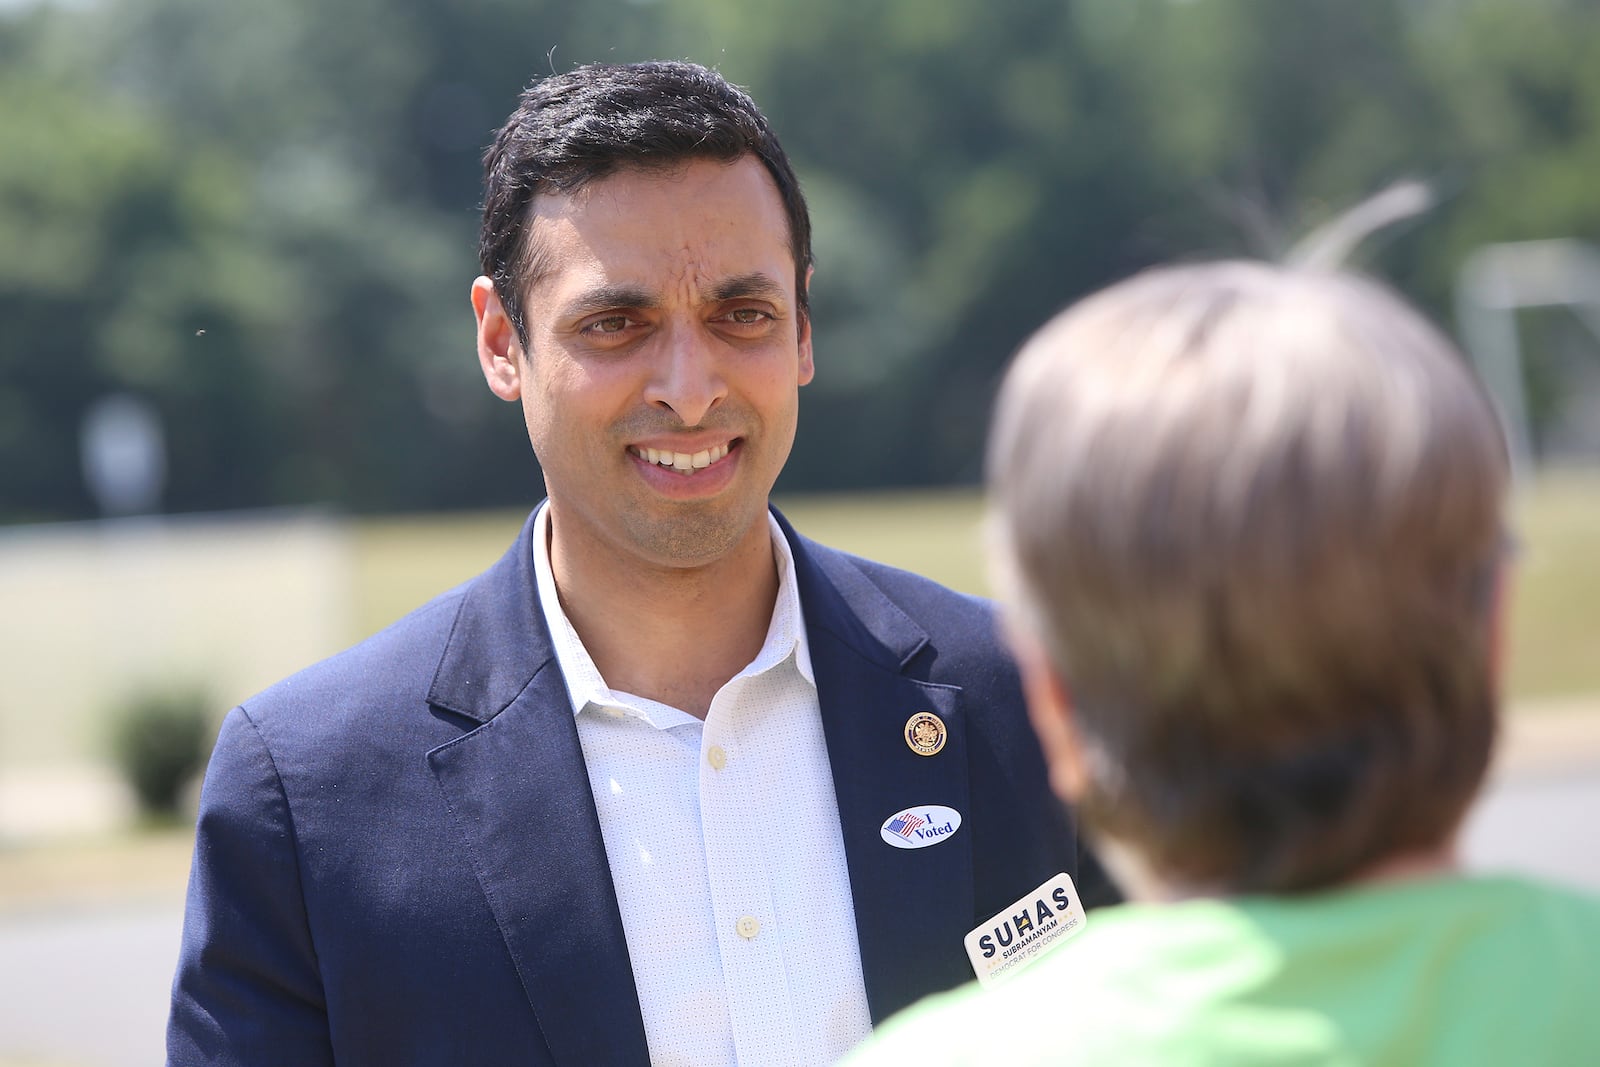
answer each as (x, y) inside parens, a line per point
(519, 791)
(838, 599)
(913, 907)
(499, 640)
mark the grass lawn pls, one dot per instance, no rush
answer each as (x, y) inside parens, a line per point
(1555, 619)
(1555, 627)
(401, 562)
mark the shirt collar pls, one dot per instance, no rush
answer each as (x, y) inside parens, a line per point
(786, 633)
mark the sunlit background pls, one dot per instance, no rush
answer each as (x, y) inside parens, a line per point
(242, 425)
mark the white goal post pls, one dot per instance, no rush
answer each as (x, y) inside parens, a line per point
(1496, 282)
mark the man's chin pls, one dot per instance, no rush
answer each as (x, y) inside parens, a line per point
(695, 534)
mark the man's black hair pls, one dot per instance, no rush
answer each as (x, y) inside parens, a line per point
(571, 129)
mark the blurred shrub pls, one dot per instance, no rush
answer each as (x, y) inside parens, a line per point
(159, 741)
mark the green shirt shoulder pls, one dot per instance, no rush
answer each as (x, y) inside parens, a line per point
(1458, 971)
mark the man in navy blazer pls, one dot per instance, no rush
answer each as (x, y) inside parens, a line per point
(400, 856)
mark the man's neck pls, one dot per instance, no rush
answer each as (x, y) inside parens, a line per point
(672, 635)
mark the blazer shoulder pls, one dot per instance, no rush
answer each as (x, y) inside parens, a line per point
(387, 659)
(373, 693)
(930, 603)
(962, 636)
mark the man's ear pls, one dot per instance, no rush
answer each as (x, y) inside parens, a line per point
(1050, 711)
(499, 350)
(808, 368)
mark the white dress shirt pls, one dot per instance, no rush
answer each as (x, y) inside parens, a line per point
(725, 850)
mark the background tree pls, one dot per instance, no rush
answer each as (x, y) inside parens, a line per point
(262, 218)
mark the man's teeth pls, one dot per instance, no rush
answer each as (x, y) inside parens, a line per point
(682, 461)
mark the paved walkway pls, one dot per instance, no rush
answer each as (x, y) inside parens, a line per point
(49, 804)
(89, 926)
(1550, 737)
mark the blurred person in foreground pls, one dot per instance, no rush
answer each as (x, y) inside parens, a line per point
(1248, 525)
(624, 797)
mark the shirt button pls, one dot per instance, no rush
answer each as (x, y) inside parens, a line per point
(748, 926)
(718, 760)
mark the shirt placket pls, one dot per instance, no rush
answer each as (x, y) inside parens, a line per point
(741, 820)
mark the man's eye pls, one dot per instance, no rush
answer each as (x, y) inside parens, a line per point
(609, 324)
(747, 316)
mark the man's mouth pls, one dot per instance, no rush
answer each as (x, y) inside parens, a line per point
(681, 461)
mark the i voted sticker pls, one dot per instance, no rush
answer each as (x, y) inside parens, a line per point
(1020, 934)
(919, 827)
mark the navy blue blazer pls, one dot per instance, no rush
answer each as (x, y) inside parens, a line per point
(398, 859)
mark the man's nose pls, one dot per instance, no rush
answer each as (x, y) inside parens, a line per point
(687, 375)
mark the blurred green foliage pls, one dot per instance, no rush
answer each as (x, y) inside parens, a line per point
(262, 218)
(160, 740)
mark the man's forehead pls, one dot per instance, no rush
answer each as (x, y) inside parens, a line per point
(728, 218)
(625, 183)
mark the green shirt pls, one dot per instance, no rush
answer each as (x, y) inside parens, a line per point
(1451, 971)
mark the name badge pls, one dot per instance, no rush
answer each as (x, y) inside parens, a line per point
(1007, 944)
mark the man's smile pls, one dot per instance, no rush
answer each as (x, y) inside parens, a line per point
(682, 461)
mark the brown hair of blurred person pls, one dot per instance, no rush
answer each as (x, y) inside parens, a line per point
(1249, 523)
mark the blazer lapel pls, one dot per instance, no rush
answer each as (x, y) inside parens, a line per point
(913, 906)
(518, 790)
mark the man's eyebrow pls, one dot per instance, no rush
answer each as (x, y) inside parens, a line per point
(746, 285)
(610, 298)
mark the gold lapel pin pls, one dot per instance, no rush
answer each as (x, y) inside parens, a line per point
(925, 733)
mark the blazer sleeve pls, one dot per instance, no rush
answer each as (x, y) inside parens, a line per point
(247, 989)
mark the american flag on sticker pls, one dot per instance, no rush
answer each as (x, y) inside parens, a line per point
(905, 823)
